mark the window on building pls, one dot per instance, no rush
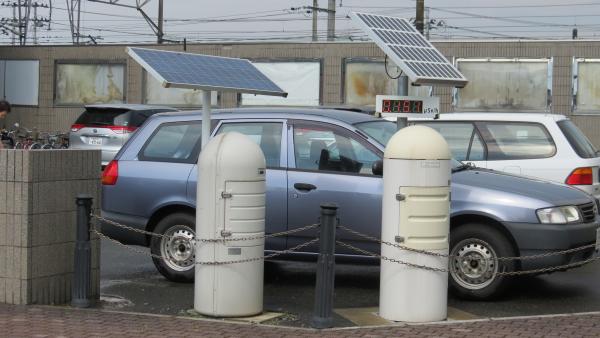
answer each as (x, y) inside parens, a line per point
(78, 84)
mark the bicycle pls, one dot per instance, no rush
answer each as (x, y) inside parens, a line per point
(56, 141)
(28, 139)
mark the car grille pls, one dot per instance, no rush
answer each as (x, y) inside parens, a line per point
(587, 212)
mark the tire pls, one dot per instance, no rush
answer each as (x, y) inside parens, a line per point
(178, 260)
(47, 146)
(478, 279)
(35, 146)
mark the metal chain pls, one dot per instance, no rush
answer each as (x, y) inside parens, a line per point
(269, 256)
(365, 252)
(393, 260)
(504, 273)
(399, 246)
(211, 240)
(425, 252)
(275, 254)
(128, 247)
(548, 269)
(249, 238)
(126, 227)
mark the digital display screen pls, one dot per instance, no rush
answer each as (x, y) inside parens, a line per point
(402, 106)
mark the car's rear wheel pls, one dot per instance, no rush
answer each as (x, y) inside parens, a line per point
(474, 264)
(175, 247)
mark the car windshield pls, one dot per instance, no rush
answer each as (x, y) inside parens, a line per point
(383, 130)
(580, 143)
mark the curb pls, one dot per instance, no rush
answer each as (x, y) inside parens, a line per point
(398, 324)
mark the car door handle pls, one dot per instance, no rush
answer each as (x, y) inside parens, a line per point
(304, 186)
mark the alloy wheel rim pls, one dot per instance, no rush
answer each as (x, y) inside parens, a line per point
(473, 264)
(177, 248)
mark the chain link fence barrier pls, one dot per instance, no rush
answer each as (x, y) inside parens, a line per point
(99, 219)
(498, 273)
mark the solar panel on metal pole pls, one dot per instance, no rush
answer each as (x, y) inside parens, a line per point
(204, 72)
(409, 49)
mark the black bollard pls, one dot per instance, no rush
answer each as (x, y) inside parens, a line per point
(325, 268)
(80, 290)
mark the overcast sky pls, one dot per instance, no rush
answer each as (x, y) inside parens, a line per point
(227, 20)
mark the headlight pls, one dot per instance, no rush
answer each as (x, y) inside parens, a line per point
(559, 215)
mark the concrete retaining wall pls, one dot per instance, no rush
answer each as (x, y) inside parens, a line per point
(38, 222)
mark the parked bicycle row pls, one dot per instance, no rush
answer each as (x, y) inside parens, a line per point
(19, 137)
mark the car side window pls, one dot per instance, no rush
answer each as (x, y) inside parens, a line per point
(477, 151)
(326, 149)
(516, 140)
(173, 142)
(458, 135)
(266, 134)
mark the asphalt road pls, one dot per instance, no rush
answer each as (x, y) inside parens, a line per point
(129, 282)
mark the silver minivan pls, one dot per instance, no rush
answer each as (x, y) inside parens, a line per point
(108, 126)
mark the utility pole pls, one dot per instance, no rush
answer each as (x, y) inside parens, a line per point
(427, 23)
(314, 20)
(419, 21)
(14, 20)
(331, 20)
(78, 19)
(160, 33)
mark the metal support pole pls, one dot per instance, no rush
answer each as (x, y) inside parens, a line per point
(403, 85)
(325, 268)
(80, 291)
(206, 105)
(401, 122)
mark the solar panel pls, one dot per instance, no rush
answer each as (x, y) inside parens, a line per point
(416, 56)
(206, 72)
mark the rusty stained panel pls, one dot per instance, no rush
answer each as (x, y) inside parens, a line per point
(365, 80)
(154, 93)
(89, 83)
(507, 86)
(588, 87)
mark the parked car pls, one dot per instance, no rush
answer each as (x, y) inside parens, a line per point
(546, 146)
(109, 126)
(151, 185)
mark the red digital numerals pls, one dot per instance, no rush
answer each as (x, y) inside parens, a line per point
(401, 106)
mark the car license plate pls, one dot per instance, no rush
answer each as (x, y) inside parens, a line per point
(95, 141)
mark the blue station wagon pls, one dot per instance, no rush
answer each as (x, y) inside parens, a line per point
(324, 155)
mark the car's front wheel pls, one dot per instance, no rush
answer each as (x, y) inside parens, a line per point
(174, 252)
(474, 264)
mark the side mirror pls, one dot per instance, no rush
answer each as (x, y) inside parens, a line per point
(377, 168)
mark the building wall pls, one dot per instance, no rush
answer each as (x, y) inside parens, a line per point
(48, 116)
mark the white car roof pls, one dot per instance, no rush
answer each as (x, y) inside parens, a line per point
(486, 116)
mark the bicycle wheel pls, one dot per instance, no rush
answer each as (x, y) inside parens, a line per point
(19, 145)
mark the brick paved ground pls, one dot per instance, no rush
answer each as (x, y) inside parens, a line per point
(42, 321)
